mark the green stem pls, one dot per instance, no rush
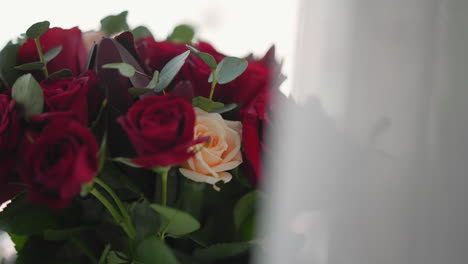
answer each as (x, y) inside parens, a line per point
(120, 205)
(213, 85)
(79, 244)
(163, 171)
(41, 57)
(117, 217)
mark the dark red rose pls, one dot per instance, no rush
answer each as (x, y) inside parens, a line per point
(161, 129)
(59, 157)
(72, 56)
(69, 95)
(10, 134)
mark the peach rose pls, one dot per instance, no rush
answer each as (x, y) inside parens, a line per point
(214, 158)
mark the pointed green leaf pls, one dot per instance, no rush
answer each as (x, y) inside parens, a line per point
(117, 257)
(52, 53)
(205, 57)
(125, 69)
(152, 84)
(141, 32)
(37, 29)
(31, 66)
(182, 34)
(115, 23)
(105, 253)
(206, 104)
(176, 222)
(170, 70)
(28, 93)
(229, 69)
(154, 251)
(64, 73)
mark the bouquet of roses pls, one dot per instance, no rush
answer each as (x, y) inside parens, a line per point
(118, 148)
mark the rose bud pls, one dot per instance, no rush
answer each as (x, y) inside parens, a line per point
(220, 154)
(160, 129)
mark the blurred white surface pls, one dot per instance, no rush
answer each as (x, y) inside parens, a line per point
(234, 27)
(372, 167)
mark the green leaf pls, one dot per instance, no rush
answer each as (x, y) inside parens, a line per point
(206, 104)
(37, 29)
(18, 240)
(134, 91)
(126, 161)
(64, 234)
(8, 62)
(176, 222)
(117, 257)
(182, 34)
(28, 93)
(244, 208)
(31, 66)
(105, 253)
(64, 73)
(229, 69)
(222, 251)
(52, 53)
(145, 220)
(115, 23)
(24, 219)
(224, 109)
(205, 57)
(141, 32)
(170, 70)
(125, 69)
(154, 251)
(154, 81)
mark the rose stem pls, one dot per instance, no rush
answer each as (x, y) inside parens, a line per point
(117, 217)
(120, 205)
(213, 85)
(41, 57)
(163, 171)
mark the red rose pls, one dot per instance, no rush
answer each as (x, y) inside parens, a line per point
(10, 134)
(161, 129)
(72, 56)
(69, 95)
(61, 157)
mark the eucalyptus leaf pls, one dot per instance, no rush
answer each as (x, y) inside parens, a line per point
(229, 69)
(170, 70)
(182, 34)
(8, 62)
(31, 66)
(210, 78)
(177, 223)
(154, 81)
(37, 29)
(115, 23)
(206, 104)
(141, 32)
(125, 69)
(154, 251)
(135, 91)
(205, 57)
(64, 73)
(224, 109)
(52, 53)
(222, 251)
(244, 208)
(28, 93)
